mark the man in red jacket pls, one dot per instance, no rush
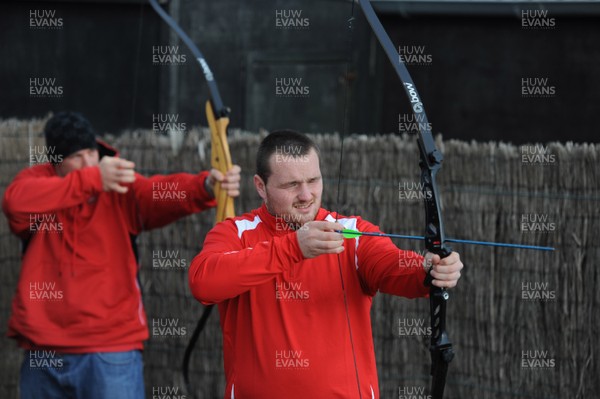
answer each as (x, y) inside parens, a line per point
(291, 328)
(77, 310)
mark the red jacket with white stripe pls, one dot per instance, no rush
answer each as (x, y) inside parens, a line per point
(77, 290)
(283, 318)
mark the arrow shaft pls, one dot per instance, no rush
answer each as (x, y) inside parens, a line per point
(500, 244)
(456, 240)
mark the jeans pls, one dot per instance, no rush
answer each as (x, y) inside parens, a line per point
(47, 374)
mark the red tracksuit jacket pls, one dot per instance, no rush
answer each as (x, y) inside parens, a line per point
(285, 330)
(77, 291)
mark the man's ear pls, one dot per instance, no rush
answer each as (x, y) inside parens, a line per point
(261, 187)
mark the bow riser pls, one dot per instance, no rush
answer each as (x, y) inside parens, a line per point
(435, 240)
(220, 159)
(440, 346)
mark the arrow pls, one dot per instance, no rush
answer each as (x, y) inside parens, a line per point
(347, 233)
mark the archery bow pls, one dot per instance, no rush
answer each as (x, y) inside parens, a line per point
(218, 120)
(430, 162)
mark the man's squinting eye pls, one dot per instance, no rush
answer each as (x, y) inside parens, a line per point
(75, 156)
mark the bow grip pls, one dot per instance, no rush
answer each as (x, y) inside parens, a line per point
(220, 159)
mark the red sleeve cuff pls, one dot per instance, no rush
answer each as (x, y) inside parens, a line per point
(207, 198)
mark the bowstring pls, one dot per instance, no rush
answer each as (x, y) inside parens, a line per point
(344, 131)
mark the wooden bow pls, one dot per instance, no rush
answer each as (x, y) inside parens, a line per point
(220, 159)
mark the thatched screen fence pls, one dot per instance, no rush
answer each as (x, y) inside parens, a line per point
(523, 322)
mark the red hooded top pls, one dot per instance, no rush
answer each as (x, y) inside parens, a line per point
(283, 317)
(78, 291)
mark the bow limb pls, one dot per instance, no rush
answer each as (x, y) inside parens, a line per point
(220, 159)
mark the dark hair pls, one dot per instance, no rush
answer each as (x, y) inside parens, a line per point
(297, 144)
(69, 132)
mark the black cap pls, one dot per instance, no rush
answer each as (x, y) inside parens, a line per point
(68, 132)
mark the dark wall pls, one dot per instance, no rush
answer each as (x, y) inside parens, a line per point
(251, 51)
(473, 87)
(102, 57)
(91, 58)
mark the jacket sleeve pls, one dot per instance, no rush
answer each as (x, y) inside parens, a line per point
(35, 191)
(386, 268)
(162, 199)
(225, 268)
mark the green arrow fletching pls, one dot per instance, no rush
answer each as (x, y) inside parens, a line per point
(347, 233)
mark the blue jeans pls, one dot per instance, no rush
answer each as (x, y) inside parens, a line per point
(47, 374)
